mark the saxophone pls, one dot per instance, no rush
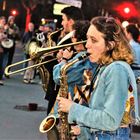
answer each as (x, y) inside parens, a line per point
(49, 122)
(64, 128)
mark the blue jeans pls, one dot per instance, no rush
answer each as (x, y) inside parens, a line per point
(119, 134)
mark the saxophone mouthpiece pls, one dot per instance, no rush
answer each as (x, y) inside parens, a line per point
(87, 54)
(83, 56)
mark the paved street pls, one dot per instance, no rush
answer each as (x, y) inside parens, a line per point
(16, 121)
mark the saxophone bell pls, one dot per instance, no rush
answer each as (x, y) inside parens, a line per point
(47, 124)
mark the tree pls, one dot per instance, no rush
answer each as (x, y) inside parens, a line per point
(37, 9)
(29, 7)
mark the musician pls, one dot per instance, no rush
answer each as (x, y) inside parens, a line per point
(108, 113)
(80, 28)
(12, 32)
(28, 37)
(69, 16)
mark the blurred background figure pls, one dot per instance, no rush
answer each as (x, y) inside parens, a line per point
(2, 37)
(13, 34)
(28, 37)
(1, 58)
(132, 34)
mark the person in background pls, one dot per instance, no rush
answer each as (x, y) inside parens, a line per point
(1, 66)
(12, 32)
(132, 34)
(107, 116)
(1, 57)
(2, 37)
(26, 40)
(27, 36)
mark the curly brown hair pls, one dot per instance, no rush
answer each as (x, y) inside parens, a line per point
(117, 45)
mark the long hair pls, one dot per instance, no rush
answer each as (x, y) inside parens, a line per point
(117, 45)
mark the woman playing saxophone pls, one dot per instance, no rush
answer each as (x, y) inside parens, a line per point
(80, 28)
(108, 115)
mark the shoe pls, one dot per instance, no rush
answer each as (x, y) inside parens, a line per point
(1, 82)
(40, 82)
(32, 81)
(26, 81)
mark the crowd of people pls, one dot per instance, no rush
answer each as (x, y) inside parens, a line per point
(101, 87)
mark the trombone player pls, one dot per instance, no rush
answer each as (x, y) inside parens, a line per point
(69, 16)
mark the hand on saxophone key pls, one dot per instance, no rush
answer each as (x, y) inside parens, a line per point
(75, 131)
(64, 104)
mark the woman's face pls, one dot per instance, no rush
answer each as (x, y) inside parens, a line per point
(95, 43)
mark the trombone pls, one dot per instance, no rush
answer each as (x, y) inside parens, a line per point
(35, 53)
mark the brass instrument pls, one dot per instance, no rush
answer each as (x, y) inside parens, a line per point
(67, 36)
(43, 70)
(7, 43)
(23, 69)
(41, 37)
(36, 52)
(50, 36)
(49, 122)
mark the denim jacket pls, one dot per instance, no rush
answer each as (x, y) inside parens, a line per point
(107, 102)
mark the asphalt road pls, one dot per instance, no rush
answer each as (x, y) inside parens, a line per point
(17, 122)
